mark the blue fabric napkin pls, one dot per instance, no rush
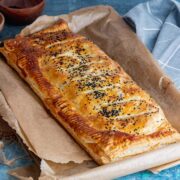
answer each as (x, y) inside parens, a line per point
(157, 24)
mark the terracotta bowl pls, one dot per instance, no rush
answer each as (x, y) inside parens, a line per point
(21, 11)
(2, 20)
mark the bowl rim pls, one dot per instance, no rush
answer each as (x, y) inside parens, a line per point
(2, 22)
(3, 18)
(42, 2)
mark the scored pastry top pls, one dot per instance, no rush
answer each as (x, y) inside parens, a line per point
(89, 93)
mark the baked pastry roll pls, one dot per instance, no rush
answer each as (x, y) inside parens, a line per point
(91, 96)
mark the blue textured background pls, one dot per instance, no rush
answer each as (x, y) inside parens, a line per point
(56, 7)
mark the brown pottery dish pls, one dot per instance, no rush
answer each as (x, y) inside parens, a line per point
(21, 11)
(1, 21)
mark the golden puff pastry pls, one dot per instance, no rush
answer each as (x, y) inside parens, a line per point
(95, 100)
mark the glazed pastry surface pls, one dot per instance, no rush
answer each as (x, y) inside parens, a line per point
(91, 96)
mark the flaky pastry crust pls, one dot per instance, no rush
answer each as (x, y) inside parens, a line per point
(94, 99)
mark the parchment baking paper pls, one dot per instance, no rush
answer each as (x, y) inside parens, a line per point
(156, 170)
(36, 127)
(48, 140)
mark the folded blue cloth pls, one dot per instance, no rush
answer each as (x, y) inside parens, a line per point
(157, 24)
